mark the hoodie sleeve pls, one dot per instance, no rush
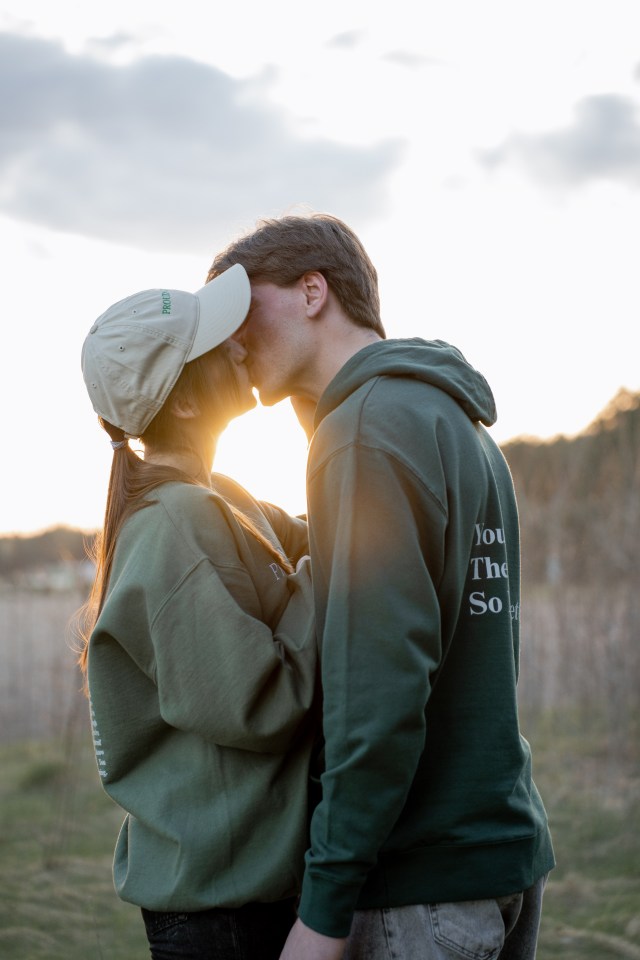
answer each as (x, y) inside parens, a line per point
(377, 539)
(291, 531)
(223, 674)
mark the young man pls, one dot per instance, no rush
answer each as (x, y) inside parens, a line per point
(430, 839)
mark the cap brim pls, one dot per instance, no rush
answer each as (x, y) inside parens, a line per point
(223, 307)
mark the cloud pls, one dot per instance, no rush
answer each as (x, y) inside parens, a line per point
(602, 143)
(412, 61)
(163, 153)
(113, 43)
(346, 40)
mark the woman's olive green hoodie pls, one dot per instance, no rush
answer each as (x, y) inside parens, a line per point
(427, 795)
(201, 677)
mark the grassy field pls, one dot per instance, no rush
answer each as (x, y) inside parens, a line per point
(592, 795)
(58, 830)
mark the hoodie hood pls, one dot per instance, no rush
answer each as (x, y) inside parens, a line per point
(433, 361)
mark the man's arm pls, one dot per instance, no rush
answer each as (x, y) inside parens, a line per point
(377, 543)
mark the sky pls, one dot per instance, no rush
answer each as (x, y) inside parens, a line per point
(486, 153)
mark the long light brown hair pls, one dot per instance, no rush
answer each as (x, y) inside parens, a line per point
(209, 385)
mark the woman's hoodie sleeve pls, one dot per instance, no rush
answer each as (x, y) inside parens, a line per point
(226, 675)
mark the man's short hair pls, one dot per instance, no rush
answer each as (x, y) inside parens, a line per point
(282, 250)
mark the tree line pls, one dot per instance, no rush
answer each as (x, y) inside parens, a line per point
(579, 500)
(60, 544)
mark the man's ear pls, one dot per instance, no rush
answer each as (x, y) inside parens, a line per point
(316, 291)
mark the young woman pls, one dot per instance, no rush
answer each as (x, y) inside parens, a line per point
(199, 655)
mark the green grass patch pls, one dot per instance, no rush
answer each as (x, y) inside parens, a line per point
(57, 833)
(592, 796)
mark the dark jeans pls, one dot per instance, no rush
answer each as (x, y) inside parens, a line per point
(256, 931)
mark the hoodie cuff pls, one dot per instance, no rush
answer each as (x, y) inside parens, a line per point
(326, 906)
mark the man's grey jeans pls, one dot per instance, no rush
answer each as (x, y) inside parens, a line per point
(502, 929)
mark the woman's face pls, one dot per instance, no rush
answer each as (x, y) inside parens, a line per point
(242, 397)
(217, 387)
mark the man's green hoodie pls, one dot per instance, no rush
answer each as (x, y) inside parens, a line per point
(427, 795)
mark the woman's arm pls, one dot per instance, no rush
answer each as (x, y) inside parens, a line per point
(224, 674)
(292, 532)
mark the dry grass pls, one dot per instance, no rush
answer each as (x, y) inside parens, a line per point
(39, 683)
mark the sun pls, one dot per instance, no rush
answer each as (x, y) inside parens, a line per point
(266, 452)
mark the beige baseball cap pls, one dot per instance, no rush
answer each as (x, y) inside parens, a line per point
(137, 349)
